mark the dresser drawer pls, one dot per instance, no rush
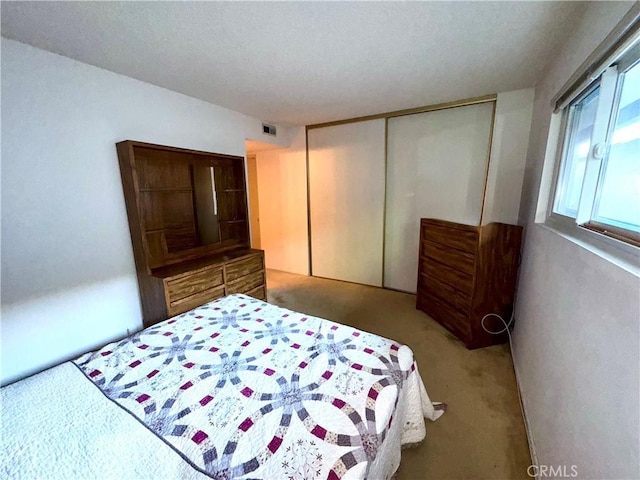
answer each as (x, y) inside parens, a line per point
(181, 305)
(243, 267)
(452, 319)
(454, 297)
(456, 259)
(246, 283)
(466, 240)
(260, 293)
(461, 281)
(191, 283)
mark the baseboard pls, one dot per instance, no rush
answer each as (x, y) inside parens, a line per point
(532, 446)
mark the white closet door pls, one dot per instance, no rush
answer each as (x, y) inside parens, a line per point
(346, 190)
(436, 168)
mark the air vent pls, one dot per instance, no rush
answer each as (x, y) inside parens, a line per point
(269, 129)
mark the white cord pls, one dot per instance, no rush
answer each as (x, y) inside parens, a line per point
(506, 325)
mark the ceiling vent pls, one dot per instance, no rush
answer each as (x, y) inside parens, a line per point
(269, 129)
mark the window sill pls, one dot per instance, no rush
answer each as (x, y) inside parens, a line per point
(619, 253)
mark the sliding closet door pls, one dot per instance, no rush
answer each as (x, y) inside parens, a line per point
(346, 193)
(436, 168)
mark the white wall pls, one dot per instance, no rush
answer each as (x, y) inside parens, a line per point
(282, 198)
(68, 277)
(508, 157)
(576, 341)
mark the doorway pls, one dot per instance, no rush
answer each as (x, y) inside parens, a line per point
(253, 147)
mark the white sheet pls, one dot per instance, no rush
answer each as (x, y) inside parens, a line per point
(58, 425)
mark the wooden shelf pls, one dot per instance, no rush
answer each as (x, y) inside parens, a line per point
(173, 222)
(166, 189)
(177, 226)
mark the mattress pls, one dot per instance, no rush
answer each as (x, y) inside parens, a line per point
(236, 388)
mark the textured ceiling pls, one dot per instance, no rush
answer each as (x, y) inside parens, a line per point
(306, 62)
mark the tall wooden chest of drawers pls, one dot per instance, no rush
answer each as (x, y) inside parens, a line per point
(466, 272)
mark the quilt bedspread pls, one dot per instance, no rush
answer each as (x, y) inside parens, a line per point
(244, 389)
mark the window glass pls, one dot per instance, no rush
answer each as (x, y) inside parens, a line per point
(582, 116)
(618, 197)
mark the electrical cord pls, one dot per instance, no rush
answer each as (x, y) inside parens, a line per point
(506, 325)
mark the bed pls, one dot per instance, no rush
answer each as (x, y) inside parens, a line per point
(236, 388)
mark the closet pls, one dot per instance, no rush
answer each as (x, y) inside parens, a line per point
(372, 180)
(425, 201)
(436, 168)
(346, 196)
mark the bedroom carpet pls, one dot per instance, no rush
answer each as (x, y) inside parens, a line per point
(482, 435)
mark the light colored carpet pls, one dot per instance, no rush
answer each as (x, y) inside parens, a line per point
(482, 435)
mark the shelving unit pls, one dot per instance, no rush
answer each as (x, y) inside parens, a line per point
(189, 227)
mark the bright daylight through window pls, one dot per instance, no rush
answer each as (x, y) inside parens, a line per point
(598, 182)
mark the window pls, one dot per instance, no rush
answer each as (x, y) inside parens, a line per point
(598, 179)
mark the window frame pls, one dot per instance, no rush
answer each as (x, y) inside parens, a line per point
(583, 226)
(564, 144)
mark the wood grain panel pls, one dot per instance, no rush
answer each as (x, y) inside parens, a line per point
(229, 176)
(221, 259)
(152, 295)
(181, 238)
(461, 239)
(234, 230)
(158, 184)
(498, 259)
(246, 283)
(162, 175)
(165, 209)
(455, 278)
(185, 304)
(243, 267)
(200, 281)
(232, 205)
(260, 293)
(442, 312)
(457, 259)
(453, 296)
(193, 282)
(458, 287)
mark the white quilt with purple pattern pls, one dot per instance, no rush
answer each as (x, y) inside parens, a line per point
(243, 389)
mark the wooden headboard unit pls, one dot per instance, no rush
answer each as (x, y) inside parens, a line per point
(187, 209)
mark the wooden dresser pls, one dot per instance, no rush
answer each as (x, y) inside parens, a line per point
(189, 284)
(466, 272)
(189, 227)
